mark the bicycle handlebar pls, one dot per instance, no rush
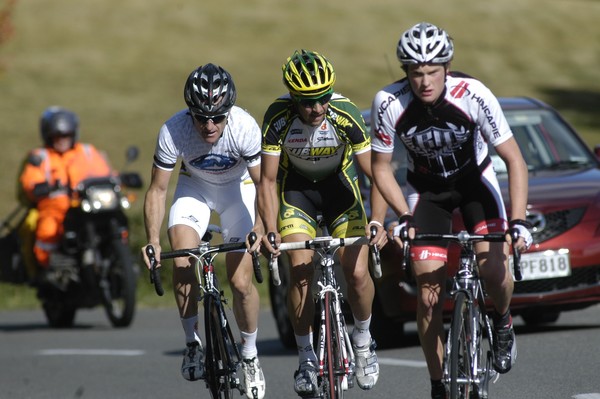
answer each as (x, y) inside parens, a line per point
(464, 237)
(197, 251)
(315, 243)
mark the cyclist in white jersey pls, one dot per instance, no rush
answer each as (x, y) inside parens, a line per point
(446, 121)
(218, 144)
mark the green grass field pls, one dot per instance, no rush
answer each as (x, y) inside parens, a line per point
(122, 64)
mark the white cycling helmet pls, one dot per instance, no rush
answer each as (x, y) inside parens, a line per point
(425, 43)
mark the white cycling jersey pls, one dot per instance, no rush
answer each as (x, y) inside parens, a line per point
(445, 138)
(213, 177)
(223, 162)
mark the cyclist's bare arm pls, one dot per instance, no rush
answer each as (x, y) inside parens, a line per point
(517, 181)
(378, 204)
(258, 224)
(387, 184)
(268, 201)
(154, 211)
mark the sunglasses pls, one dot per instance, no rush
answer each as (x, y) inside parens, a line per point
(203, 119)
(310, 103)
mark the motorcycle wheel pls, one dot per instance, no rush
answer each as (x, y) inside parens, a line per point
(59, 314)
(119, 287)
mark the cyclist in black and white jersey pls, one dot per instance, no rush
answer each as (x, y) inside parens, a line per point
(218, 144)
(311, 139)
(446, 121)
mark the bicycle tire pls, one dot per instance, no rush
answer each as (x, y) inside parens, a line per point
(333, 352)
(459, 344)
(217, 361)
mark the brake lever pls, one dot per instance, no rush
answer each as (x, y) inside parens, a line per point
(375, 255)
(154, 272)
(514, 234)
(273, 264)
(252, 237)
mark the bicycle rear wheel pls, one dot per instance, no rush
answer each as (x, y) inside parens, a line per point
(220, 370)
(458, 348)
(334, 339)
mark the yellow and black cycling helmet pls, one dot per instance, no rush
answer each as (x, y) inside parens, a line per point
(308, 74)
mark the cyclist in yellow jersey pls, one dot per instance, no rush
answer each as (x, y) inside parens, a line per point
(311, 137)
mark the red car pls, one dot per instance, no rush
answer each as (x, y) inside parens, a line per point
(561, 271)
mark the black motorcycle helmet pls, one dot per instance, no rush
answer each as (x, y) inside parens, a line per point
(58, 121)
(209, 91)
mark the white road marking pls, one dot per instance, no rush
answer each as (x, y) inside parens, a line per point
(91, 352)
(406, 363)
(587, 396)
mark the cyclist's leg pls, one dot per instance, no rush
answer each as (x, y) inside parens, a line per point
(188, 219)
(297, 222)
(237, 216)
(485, 212)
(347, 218)
(237, 219)
(432, 213)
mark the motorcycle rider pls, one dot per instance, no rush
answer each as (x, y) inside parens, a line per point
(49, 175)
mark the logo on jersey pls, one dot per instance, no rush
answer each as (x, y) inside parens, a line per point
(441, 147)
(213, 163)
(314, 152)
(460, 90)
(386, 138)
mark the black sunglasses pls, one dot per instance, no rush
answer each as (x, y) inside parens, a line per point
(203, 119)
(310, 103)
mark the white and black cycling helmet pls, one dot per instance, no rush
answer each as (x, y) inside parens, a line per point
(209, 91)
(425, 43)
(57, 121)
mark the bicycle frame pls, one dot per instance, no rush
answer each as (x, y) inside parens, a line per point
(477, 326)
(334, 348)
(329, 299)
(467, 362)
(222, 357)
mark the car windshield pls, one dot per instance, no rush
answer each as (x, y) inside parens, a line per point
(545, 142)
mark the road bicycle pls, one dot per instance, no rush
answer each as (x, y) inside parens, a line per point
(334, 347)
(222, 358)
(469, 349)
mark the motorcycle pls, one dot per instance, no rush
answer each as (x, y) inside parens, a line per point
(94, 264)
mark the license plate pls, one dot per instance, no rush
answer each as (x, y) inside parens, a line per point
(547, 264)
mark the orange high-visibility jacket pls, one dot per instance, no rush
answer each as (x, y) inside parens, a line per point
(61, 171)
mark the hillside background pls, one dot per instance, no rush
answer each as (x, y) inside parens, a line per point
(121, 64)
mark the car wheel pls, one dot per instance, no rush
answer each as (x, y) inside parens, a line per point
(540, 316)
(279, 296)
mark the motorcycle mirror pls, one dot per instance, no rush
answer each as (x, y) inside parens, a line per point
(132, 153)
(131, 179)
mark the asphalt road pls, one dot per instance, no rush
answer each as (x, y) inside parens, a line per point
(95, 361)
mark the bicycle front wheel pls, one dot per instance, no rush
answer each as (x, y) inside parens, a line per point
(334, 339)
(219, 368)
(458, 348)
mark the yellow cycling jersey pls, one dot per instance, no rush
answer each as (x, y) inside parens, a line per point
(315, 152)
